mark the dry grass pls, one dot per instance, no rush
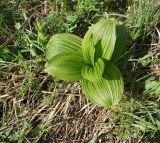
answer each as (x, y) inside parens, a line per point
(70, 117)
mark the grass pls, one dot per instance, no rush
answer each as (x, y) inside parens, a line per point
(35, 108)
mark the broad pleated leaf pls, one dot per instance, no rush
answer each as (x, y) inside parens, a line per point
(94, 73)
(121, 42)
(102, 37)
(108, 91)
(89, 51)
(64, 42)
(66, 66)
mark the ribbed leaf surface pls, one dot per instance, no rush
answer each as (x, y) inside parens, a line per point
(108, 91)
(60, 43)
(121, 42)
(101, 37)
(66, 66)
(88, 50)
(93, 73)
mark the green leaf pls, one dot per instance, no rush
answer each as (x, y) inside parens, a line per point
(89, 51)
(152, 86)
(147, 59)
(93, 73)
(64, 42)
(108, 91)
(99, 41)
(121, 42)
(66, 66)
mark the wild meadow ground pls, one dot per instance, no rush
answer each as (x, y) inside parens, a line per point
(37, 108)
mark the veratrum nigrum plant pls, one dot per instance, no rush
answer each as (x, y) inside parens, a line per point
(91, 60)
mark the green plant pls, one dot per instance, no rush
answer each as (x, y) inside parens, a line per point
(91, 60)
(41, 29)
(133, 120)
(142, 17)
(152, 86)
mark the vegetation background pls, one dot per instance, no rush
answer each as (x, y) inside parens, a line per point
(35, 108)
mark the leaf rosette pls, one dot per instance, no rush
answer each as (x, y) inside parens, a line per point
(91, 60)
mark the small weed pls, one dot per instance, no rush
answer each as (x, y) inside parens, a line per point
(48, 100)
